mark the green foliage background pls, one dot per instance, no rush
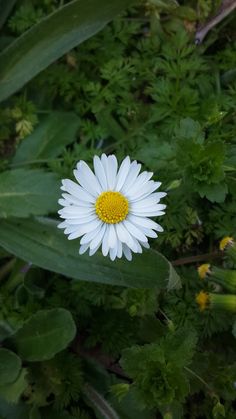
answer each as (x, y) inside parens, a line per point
(77, 342)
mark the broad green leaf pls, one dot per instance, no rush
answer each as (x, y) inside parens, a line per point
(52, 37)
(216, 192)
(24, 192)
(49, 138)
(5, 9)
(12, 392)
(44, 335)
(10, 365)
(40, 242)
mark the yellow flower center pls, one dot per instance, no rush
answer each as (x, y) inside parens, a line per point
(112, 207)
(203, 300)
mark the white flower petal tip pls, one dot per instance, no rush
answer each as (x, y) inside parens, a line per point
(110, 208)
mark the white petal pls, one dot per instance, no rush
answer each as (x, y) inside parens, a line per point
(105, 246)
(140, 183)
(125, 237)
(83, 229)
(144, 203)
(119, 250)
(64, 202)
(152, 209)
(76, 201)
(113, 252)
(139, 247)
(86, 239)
(148, 188)
(87, 179)
(147, 213)
(100, 172)
(127, 252)
(83, 249)
(111, 171)
(159, 195)
(62, 225)
(132, 176)
(144, 222)
(122, 173)
(82, 220)
(77, 211)
(149, 232)
(72, 218)
(98, 238)
(146, 245)
(76, 233)
(71, 229)
(134, 231)
(112, 237)
(76, 190)
(92, 251)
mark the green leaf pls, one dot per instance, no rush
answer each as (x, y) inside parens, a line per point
(12, 392)
(40, 242)
(24, 192)
(158, 369)
(189, 129)
(10, 365)
(44, 335)
(49, 138)
(214, 192)
(218, 411)
(51, 38)
(5, 9)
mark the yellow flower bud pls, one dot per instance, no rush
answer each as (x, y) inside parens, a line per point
(203, 270)
(202, 300)
(225, 242)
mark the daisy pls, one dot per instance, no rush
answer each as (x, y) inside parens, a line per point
(111, 207)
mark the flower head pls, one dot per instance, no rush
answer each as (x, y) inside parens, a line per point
(226, 241)
(202, 299)
(110, 208)
(203, 270)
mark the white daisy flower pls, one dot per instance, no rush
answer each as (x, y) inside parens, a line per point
(111, 208)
